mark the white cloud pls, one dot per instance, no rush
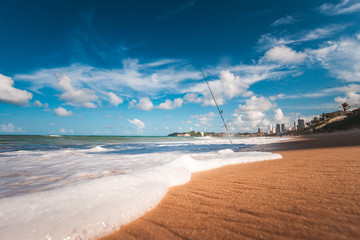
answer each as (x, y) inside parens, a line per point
(193, 97)
(341, 58)
(143, 104)
(149, 79)
(251, 115)
(68, 131)
(11, 95)
(168, 104)
(352, 96)
(77, 97)
(204, 119)
(233, 81)
(9, 128)
(255, 104)
(60, 111)
(132, 78)
(284, 55)
(138, 123)
(267, 41)
(234, 85)
(280, 118)
(284, 20)
(279, 96)
(343, 7)
(207, 98)
(82, 84)
(37, 103)
(114, 99)
(279, 115)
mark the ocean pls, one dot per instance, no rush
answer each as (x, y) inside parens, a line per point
(84, 187)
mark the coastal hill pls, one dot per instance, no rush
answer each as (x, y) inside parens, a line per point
(327, 122)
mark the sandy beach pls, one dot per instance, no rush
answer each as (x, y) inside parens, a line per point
(313, 192)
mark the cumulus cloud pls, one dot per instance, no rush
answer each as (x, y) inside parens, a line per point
(234, 85)
(234, 81)
(169, 105)
(207, 99)
(60, 111)
(352, 96)
(341, 58)
(9, 128)
(138, 123)
(343, 7)
(114, 99)
(11, 95)
(251, 114)
(279, 115)
(144, 104)
(77, 97)
(37, 103)
(280, 118)
(255, 104)
(193, 97)
(204, 119)
(284, 55)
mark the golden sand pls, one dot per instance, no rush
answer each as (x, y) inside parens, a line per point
(313, 192)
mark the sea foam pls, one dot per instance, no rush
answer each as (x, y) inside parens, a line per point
(88, 210)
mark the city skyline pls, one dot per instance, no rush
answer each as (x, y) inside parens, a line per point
(133, 68)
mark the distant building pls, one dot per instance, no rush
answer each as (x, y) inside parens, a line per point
(260, 131)
(283, 128)
(270, 128)
(278, 128)
(301, 124)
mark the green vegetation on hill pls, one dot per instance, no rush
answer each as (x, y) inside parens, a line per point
(352, 121)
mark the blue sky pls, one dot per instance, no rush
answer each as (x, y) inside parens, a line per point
(132, 67)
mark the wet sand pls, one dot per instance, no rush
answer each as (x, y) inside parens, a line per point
(313, 192)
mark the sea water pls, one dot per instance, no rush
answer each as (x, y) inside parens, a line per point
(84, 187)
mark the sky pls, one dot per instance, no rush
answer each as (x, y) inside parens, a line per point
(134, 67)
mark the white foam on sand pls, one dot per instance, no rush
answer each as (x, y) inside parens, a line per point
(96, 207)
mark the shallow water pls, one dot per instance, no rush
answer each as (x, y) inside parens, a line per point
(76, 182)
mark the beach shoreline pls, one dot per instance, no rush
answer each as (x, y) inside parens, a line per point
(311, 193)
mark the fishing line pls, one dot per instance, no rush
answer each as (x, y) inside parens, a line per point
(220, 112)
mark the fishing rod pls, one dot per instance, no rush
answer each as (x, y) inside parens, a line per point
(220, 111)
